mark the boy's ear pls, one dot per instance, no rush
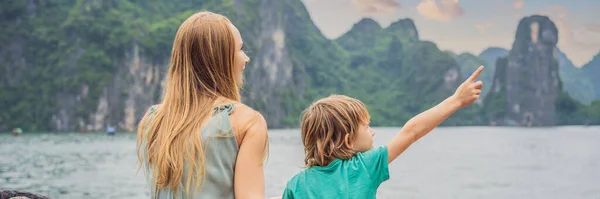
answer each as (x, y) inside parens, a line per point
(347, 141)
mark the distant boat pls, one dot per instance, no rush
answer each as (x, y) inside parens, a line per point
(512, 123)
(110, 130)
(17, 131)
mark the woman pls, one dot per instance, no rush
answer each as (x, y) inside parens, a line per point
(193, 143)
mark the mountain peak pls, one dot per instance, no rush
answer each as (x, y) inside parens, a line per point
(406, 26)
(535, 29)
(366, 24)
(490, 54)
(494, 50)
(365, 30)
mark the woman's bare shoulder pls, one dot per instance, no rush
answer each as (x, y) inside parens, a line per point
(243, 111)
(245, 119)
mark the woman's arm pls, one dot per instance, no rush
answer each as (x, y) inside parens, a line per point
(249, 180)
(423, 123)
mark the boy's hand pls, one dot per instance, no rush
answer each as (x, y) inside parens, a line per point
(469, 90)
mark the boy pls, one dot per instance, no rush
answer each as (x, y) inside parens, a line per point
(338, 144)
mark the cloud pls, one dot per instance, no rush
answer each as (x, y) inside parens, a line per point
(377, 6)
(482, 27)
(519, 4)
(445, 10)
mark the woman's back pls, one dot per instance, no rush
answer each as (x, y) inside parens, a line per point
(220, 154)
(193, 144)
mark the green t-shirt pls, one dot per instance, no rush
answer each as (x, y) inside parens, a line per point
(358, 177)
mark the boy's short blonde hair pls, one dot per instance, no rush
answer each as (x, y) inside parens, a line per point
(324, 126)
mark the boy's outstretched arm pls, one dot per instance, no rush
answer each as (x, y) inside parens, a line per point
(423, 123)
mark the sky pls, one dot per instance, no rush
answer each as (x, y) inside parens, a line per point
(469, 25)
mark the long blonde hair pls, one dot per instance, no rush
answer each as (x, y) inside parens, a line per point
(324, 126)
(200, 71)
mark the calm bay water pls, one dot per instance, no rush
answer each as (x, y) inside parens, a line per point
(451, 162)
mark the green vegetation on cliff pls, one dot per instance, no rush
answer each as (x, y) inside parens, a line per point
(58, 48)
(58, 57)
(592, 71)
(398, 76)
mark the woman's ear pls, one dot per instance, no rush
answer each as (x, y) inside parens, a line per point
(347, 141)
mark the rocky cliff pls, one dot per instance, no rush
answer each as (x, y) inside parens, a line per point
(86, 65)
(105, 61)
(75, 65)
(576, 82)
(526, 83)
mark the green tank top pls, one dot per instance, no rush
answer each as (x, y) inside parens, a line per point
(220, 151)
